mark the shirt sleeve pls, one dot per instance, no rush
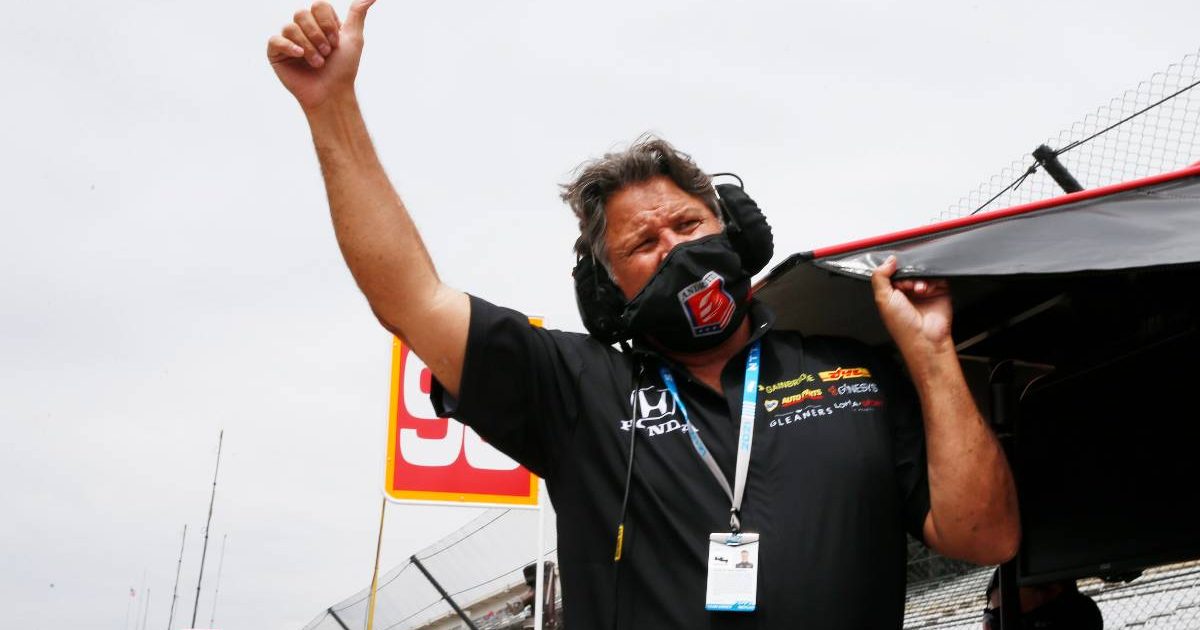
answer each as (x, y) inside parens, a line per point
(518, 386)
(908, 445)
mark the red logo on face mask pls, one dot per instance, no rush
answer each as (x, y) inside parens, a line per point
(707, 304)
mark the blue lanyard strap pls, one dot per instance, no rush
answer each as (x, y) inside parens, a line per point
(745, 435)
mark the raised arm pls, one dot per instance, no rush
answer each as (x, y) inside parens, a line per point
(316, 58)
(973, 501)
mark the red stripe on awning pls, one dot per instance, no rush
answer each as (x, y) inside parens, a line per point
(960, 222)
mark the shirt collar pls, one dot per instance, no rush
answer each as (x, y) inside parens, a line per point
(762, 320)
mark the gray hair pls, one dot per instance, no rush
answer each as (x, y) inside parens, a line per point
(597, 180)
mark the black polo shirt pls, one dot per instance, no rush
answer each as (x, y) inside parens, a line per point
(837, 472)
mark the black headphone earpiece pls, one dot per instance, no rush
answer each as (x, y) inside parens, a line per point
(601, 303)
(746, 227)
(599, 300)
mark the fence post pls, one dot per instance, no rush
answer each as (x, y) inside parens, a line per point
(446, 596)
(337, 618)
(1055, 169)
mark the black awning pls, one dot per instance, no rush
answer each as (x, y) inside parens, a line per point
(1142, 226)
(1077, 322)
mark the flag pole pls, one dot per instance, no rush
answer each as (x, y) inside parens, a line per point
(128, 607)
(138, 602)
(375, 573)
(146, 611)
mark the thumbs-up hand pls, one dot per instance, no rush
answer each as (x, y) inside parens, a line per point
(316, 55)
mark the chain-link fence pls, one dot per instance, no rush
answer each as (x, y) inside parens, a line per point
(480, 566)
(1149, 129)
(1163, 598)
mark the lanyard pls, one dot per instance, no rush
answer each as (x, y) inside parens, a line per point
(745, 435)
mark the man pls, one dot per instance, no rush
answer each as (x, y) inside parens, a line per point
(1055, 605)
(645, 452)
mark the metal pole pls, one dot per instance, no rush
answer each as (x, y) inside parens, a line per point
(337, 618)
(207, 524)
(375, 572)
(539, 589)
(446, 596)
(1055, 169)
(217, 589)
(178, 568)
(1003, 417)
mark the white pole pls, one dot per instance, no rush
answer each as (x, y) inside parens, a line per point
(146, 613)
(128, 607)
(539, 590)
(138, 602)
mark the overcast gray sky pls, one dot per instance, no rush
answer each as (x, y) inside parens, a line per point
(167, 267)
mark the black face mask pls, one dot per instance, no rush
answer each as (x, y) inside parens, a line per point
(695, 300)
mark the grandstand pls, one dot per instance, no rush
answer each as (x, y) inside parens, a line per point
(1163, 598)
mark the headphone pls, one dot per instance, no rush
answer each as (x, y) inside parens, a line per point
(601, 304)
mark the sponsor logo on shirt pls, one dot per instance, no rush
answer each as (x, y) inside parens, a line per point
(800, 379)
(656, 412)
(770, 404)
(796, 399)
(858, 405)
(817, 411)
(853, 388)
(802, 414)
(707, 304)
(845, 373)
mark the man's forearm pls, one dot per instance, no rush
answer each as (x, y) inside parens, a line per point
(374, 231)
(973, 505)
(381, 244)
(973, 501)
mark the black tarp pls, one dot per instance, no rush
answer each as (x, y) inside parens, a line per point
(1077, 322)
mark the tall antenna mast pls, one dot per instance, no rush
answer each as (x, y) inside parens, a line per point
(217, 591)
(178, 568)
(204, 552)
